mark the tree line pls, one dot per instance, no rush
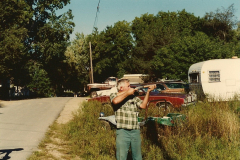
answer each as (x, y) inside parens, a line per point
(162, 45)
(35, 50)
(33, 39)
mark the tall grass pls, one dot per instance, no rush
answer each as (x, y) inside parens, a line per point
(88, 136)
(210, 132)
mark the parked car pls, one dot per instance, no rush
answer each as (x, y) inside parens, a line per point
(107, 84)
(171, 86)
(164, 101)
(106, 92)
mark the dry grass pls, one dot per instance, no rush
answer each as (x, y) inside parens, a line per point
(53, 146)
(210, 132)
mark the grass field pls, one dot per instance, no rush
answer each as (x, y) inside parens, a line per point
(211, 132)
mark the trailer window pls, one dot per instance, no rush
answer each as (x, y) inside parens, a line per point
(194, 77)
(214, 76)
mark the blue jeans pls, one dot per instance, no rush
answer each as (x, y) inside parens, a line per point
(124, 139)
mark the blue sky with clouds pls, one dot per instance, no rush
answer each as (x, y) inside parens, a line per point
(112, 11)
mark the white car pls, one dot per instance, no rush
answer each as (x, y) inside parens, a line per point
(107, 92)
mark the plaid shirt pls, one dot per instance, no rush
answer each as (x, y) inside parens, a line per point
(127, 114)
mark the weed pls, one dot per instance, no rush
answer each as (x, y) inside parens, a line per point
(210, 132)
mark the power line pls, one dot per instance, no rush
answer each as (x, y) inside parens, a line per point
(96, 18)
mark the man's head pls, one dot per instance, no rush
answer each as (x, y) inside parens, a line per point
(123, 85)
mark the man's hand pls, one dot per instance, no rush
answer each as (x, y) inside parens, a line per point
(131, 91)
(150, 87)
(145, 100)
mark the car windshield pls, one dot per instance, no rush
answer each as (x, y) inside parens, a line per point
(111, 80)
(174, 85)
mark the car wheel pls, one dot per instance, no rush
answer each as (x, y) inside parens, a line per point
(163, 109)
(93, 94)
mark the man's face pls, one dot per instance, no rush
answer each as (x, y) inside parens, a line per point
(125, 87)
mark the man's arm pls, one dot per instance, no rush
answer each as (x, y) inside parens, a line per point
(122, 95)
(145, 100)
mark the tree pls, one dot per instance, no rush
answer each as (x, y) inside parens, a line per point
(154, 33)
(40, 83)
(54, 41)
(32, 32)
(111, 49)
(14, 15)
(177, 57)
(220, 24)
(77, 64)
(238, 39)
(48, 37)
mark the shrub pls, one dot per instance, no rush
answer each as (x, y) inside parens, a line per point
(210, 132)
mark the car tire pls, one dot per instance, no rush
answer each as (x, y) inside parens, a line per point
(105, 125)
(164, 110)
(93, 94)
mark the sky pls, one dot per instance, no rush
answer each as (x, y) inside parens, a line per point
(112, 11)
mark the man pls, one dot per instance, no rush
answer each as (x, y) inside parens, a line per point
(126, 106)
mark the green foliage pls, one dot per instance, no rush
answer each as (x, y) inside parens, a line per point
(238, 39)
(14, 16)
(220, 23)
(153, 33)
(173, 61)
(49, 38)
(77, 64)
(40, 83)
(111, 50)
(162, 45)
(32, 32)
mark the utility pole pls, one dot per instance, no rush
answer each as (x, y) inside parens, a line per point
(94, 26)
(91, 78)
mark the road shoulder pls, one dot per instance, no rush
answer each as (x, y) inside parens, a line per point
(71, 106)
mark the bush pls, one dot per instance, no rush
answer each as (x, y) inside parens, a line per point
(211, 132)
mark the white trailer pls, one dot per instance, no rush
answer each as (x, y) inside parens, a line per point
(217, 79)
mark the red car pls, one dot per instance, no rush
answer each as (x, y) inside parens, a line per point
(165, 101)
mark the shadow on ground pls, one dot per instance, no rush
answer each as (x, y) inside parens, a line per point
(7, 152)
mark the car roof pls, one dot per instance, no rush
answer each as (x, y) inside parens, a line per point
(164, 82)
